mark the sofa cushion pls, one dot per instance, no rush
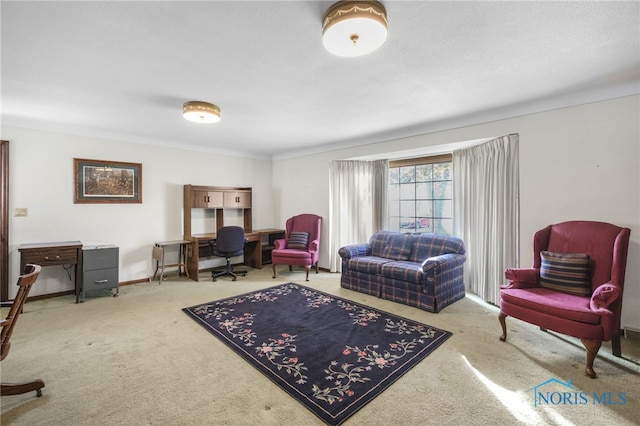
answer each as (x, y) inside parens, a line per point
(566, 272)
(551, 302)
(404, 271)
(298, 240)
(430, 245)
(367, 264)
(391, 245)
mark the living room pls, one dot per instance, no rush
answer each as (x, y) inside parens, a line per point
(579, 159)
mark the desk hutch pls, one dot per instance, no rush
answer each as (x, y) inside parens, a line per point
(259, 242)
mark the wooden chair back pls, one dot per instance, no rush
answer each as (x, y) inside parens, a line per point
(25, 282)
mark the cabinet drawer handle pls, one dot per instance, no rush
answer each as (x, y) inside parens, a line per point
(100, 281)
(46, 258)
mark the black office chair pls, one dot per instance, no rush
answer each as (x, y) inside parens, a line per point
(230, 242)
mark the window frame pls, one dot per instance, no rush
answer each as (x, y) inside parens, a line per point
(417, 220)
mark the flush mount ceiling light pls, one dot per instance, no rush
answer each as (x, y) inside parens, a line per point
(201, 112)
(354, 28)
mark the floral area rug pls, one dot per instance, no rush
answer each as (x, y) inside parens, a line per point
(331, 354)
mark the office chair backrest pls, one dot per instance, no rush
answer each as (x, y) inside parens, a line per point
(230, 239)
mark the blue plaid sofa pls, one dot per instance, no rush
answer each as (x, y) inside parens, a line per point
(421, 270)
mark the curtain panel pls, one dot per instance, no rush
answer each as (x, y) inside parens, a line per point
(357, 203)
(486, 185)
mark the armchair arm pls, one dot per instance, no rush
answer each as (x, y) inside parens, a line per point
(521, 277)
(313, 246)
(279, 244)
(604, 301)
(354, 250)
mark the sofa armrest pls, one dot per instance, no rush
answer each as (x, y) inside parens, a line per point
(521, 277)
(441, 263)
(354, 250)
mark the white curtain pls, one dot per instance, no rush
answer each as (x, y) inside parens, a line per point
(357, 203)
(485, 188)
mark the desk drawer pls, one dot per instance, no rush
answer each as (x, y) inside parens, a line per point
(99, 258)
(45, 257)
(100, 279)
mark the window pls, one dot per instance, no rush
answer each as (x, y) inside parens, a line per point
(421, 195)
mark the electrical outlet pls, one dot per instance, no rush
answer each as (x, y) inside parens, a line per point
(20, 212)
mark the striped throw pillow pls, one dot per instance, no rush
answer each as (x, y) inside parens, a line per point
(566, 272)
(298, 240)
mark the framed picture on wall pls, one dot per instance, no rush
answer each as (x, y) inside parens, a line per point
(98, 181)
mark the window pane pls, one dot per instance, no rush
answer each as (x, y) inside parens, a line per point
(443, 208)
(442, 171)
(407, 174)
(394, 192)
(424, 209)
(394, 175)
(394, 209)
(424, 173)
(423, 191)
(408, 208)
(407, 224)
(394, 223)
(407, 191)
(443, 190)
(443, 226)
(423, 224)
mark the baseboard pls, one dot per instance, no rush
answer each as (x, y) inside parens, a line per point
(630, 334)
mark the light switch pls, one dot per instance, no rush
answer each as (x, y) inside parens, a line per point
(20, 212)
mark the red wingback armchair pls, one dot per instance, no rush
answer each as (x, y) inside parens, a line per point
(546, 294)
(301, 244)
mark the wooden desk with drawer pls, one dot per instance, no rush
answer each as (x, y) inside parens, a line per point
(51, 254)
(254, 250)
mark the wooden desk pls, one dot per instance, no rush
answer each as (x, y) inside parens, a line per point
(158, 255)
(253, 249)
(54, 253)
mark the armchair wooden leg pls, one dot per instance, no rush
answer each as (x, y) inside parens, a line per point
(592, 346)
(273, 267)
(616, 349)
(502, 318)
(20, 388)
(307, 269)
(317, 268)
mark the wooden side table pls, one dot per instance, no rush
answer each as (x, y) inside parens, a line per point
(158, 255)
(55, 253)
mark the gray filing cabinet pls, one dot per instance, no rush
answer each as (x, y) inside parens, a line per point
(99, 269)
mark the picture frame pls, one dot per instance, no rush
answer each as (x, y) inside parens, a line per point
(99, 181)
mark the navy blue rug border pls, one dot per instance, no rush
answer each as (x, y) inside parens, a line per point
(315, 408)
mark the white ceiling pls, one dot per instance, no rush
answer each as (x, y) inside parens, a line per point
(122, 70)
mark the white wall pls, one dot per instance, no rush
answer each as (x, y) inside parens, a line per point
(576, 163)
(41, 179)
(581, 162)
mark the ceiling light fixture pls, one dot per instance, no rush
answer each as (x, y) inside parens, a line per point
(354, 28)
(201, 112)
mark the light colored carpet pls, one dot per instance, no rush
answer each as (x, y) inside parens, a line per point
(139, 360)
